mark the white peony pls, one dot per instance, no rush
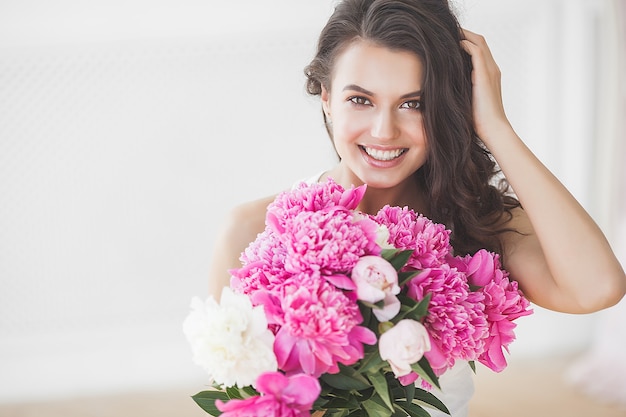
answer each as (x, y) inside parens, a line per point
(382, 237)
(230, 340)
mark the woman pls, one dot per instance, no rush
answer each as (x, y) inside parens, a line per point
(413, 106)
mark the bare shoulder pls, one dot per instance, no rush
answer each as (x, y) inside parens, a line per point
(524, 258)
(521, 237)
(241, 226)
(247, 220)
(519, 222)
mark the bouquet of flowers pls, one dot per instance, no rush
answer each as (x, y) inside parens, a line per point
(351, 314)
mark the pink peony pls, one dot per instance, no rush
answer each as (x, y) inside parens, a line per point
(409, 379)
(409, 230)
(312, 197)
(330, 241)
(377, 280)
(503, 301)
(455, 319)
(318, 325)
(282, 396)
(403, 345)
(263, 265)
(479, 268)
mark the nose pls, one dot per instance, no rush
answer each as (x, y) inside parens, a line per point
(384, 126)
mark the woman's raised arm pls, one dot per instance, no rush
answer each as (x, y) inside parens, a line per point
(562, 260)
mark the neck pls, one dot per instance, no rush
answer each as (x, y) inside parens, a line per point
(407, 194)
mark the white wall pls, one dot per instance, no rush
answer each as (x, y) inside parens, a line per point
(127, 130)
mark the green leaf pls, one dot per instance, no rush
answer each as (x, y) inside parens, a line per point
(375, 408)
(405, 276)
(472, 365)
(233, 392)
(245, 392)
(329, 393)
(423, 369)
(380, 386)
(346, 379)
(372, 362)
(398, 411)
(416, 312)
(206, 401)
(342, 404)
(336, 413)
(388, 254)
(400, 259)
(430, 399)
(409, 391)
(413, 410)
(366, 312)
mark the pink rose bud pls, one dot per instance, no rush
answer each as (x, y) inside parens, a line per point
(403, 345)
(390, 309)
(374, 278)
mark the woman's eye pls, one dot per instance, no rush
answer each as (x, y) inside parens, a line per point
(361, 101)
(411, 104)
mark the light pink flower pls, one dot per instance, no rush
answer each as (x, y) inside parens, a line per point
(318, 325)
(376, 280)
(281, 396)
(403, 345)
(455, 319)
(409, 230)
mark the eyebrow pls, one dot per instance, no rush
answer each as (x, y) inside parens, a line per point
(360, 89)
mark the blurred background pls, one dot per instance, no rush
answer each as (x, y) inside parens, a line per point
(129, 128)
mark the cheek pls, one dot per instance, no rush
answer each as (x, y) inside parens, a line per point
(422, 137)
(418, 133)
(349, 127)
(413, 124)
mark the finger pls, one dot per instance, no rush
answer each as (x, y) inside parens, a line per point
(479, 41)
(469, 47)
(469, 34)
(475, 38)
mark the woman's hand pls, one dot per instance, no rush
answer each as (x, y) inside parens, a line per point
(488, 109)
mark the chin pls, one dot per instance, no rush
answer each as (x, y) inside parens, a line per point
(382, 183)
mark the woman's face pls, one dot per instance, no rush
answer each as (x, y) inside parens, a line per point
(374, 105)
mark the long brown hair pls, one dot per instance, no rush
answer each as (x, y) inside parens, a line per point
(459, 176)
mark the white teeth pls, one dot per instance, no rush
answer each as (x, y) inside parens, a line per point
(384, 155)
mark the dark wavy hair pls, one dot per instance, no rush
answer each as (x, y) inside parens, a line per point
(461, 179)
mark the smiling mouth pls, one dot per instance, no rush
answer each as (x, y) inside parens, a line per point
(381, 155)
